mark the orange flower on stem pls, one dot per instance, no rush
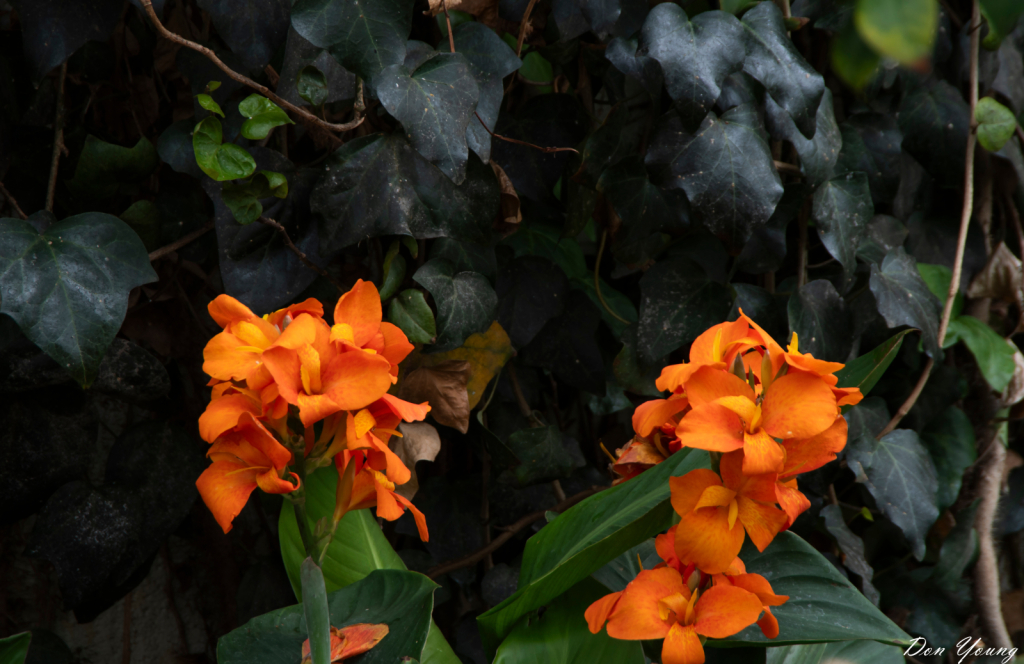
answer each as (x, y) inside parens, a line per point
(347, 642)
(358, 324)
(244, 458)
(362, 484)
(716, 512)
(717, 347)
(657, 604)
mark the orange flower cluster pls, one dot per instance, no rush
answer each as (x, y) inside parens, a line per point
(769, 414)
(290, 389)
(350, 641)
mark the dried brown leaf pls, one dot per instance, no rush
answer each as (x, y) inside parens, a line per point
(510, 212)
(444, 387)
(419, 442)
(1000, 279)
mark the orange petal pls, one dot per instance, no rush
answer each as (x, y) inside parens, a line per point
(396, 345)
(305, 329)
(715, 496)
(708, 384)
(798, 406)
(793, 502)
(313, 408)
(757, 487)
(762, 522)
(847, 396)
(421, 521)
(761, 454)
(652, 414)
(682, 646)
(807, 454)
(674, 376)
(225, 487)
(703, 348)
(665, 545)
(223, 360)
(712, 427)
(759, 585)
(257, 435)
(725, 610)
(769, 624)
(269, 482)
(222, 415)
(396, 470)
(408, 411)
(284, 365)
(703, 537)
(636, 616)
(356, 379)
(805, 362)
(225, 309)
(355, 639)
(598, 612)
(360, 308)
(310, 306)
(687, 490)
(776, 353)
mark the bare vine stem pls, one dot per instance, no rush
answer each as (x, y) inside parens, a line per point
(180, 242)
(305, 115)
(298, 252)
(13, 203)
(965, 222)
(597, 278)
(518, 142)
(448, 20)
(522, 27)
(58, 138)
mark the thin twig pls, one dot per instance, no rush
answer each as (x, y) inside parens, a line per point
(58, 137)
(448, 20)
(518, 142)
(507, 534)
(522, 27)
(305, 115)
(953, 18)
(965, 222)
(787, 168)
(597, 278)
(14, 204)
(986, 569)
(298, 252)
(180, 242)
(524, 407)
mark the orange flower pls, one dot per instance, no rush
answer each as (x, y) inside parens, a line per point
(350, 641)
(243, 458)
(717, 347)
(715, 512)
(236, 353)
(358, 324)
(361, 484)
(658, 605)
(759, 586)
(805, 455)
(314, 375)
(653, 414)
(727, 415)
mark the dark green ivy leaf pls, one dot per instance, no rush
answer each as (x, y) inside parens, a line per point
(695, 56)
(950, 442)
(773, 60)
(175, 148)
(899, 473)
(311, 84)
(992, 353)
(253, 29)
(51, 30)
(300, 54)
(871, 143)
(531, 290)
(678, 302)
(904, 298)
(365, 36)
(434, 103)
(103, 167)
(852, 548)
(766, 248)
(567, 346)
(1001, 16)
(466, 256)
(543, 455)
(623, 54)
(818, 155)
(411, 313)
(726, 170)
(490, 61)
(243, 197)
(465, 301)
(841, 210)
(378, 185)
(818, 316)
(68, 288)
(935, 119)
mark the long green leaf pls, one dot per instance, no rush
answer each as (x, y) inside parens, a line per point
(358, 548)
(14, 648)
(315, 611)
(865, 371)
(584, 538)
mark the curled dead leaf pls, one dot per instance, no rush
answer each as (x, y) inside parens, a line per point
(419, 442)
(486, 352)
(510, 212)
(1014, 392)
(444, 387)
(1000, 279)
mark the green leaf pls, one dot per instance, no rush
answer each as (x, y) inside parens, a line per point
(531, 291)
(818, 155)
(394, 273)
(949, 438)
(466, 303)
(357, 549)
(678, 301)
(937, 277)
(14, 648)
(853, 60)
(466, 256)
(103, 167)
(852, 549)
(378, 185)
(903, 31)
(727, 154)
(1001, 16)
(312, 85)
(263, 116)
(586, 537)
(958, 551)
(243, 197)
(537, 69)
(852, 652)
(316, 612)
(871, 144)
(542, 453)
(568, 347)
(365, 36)
(866, 370)
(899, 473)
(490, 60)
(818, 316)
(935, 119)
(818, 595)
(772, 59)
(411, 313)
(402, 600)
(992, 353)
(618, 573)
(996, 124)
(560, 635)
(220, 161)
(67, 288)
(904, 299)
(695, 56)
(841, 210)
(207, 102)
(144, 218)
